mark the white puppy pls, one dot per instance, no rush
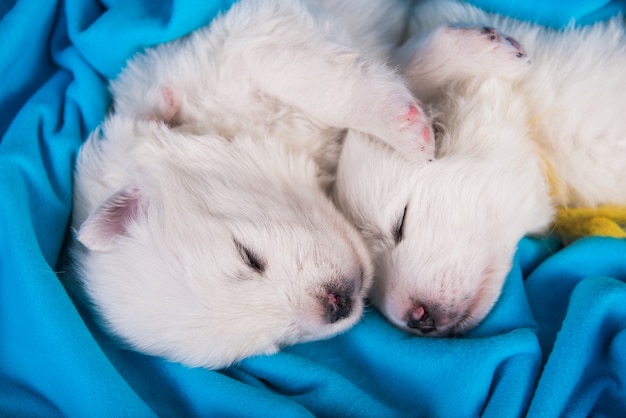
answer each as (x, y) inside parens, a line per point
(443, 233)
(203, 234)
(204, 250)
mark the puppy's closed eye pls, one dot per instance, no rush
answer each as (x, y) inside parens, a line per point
(398, 229)
(252, 259)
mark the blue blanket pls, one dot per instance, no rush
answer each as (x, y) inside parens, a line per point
(554, 345)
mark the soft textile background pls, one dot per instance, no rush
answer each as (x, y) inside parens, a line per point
(554, 345)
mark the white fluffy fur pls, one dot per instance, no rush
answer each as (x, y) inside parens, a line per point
(467, 210)
(203, 231)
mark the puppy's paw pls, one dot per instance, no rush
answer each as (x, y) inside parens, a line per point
(486, 50)
(415, 139)
(503, 45)
(400, 121)
(378, 102)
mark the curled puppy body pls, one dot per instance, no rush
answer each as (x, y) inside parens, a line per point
(443, 234)
(204, 250)
(289, 69)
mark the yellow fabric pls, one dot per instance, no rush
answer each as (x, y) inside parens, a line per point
(577, 222)
(608, 221)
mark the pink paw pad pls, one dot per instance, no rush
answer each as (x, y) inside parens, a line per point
(412, 114)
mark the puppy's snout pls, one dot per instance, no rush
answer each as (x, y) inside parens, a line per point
(338, 303)
(338, 306)
(430, 319)
(419, 318)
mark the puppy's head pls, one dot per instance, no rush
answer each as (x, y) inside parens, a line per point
(438, 232)
(212, 250)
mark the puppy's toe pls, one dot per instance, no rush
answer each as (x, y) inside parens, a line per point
(416, 139)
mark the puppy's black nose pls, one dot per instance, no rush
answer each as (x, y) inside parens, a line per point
(337, 304)
(420, 319)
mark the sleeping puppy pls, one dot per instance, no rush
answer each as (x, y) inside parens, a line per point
(202, 230)
(514, 142)
(205, 250)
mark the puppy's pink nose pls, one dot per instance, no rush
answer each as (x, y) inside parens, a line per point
(338, 305)
(420, 319)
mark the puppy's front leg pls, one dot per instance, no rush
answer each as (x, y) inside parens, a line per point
(340, 87)
(457, 52)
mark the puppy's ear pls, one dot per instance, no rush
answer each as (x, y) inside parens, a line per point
(111, 219)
